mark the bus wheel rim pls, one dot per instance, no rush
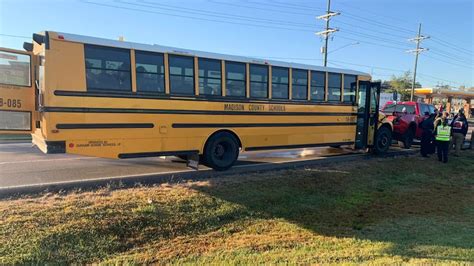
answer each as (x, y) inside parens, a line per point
(219, 151)
(383, 140)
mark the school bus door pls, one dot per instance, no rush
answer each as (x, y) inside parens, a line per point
(367, 113)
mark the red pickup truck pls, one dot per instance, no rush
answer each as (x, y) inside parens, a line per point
(406, 116)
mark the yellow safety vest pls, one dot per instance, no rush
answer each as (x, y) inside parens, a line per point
(443, 133)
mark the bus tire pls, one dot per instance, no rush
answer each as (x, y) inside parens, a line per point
(221, 151)
(383, 140)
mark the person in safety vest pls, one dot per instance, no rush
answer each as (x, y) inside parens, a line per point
(460, 127)
(443, 137)
(439, 118)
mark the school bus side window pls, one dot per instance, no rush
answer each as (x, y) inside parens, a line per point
(280, 82)
(318, 85)
(235, 79)
(258, 81)
(299, 89)
(107, 68)
(349, 88)
(334, 87)
(210, 78)
(181, 74)
(150, 72)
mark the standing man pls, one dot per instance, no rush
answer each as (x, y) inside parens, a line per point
(427, 135)
(460, 127)
(443, 134)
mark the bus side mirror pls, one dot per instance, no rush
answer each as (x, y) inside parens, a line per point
(28, 46)
(39, 39)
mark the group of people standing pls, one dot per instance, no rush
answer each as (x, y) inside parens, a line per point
(441, 134)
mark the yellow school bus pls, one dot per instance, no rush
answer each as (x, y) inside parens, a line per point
(114, 99)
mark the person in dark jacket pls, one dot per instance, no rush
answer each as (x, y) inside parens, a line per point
(427, 139)
(459, 127)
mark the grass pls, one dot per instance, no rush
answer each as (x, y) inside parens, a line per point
(397, 210)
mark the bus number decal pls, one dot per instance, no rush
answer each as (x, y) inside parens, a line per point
(10, 103)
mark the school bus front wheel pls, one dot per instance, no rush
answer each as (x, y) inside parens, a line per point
(383, 139)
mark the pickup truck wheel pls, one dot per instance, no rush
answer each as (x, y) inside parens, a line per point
(407, 139)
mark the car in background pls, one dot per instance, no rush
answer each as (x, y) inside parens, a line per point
(405, 117)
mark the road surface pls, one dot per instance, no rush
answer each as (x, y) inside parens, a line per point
(24, 165)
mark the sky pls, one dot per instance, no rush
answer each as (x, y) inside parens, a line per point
(373, 34)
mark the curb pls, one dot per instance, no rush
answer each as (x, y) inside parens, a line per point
(181, 176)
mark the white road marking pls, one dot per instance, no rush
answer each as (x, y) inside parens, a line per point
(48, 160)
(112, 178)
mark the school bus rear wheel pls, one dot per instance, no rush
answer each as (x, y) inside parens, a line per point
(221, 151)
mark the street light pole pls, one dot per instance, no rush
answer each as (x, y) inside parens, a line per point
(344, 46)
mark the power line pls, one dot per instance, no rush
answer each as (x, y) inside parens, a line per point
(447, 62)
(262, 8)
(214, 13)
(388, 26)
(374, 37)
(285, 5)
(349, 14)
(452, 46)
(192, 17)
(448, 55)
(371, 30)
(15, 36)
(384, 16)
(372, 43)
(451, 57)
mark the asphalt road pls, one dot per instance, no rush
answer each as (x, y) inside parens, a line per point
(24, 165)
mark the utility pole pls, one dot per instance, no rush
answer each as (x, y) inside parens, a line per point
(417, 51)
(329, 14)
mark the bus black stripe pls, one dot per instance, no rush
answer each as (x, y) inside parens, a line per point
(134, 95)
(186, 112)
(299, 146)
(233, 125)
(155, 154)
(105, 126)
